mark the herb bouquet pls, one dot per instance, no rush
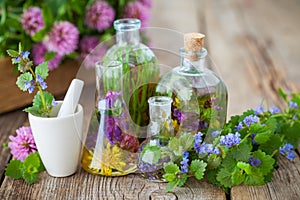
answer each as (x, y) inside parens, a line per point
(245, 151)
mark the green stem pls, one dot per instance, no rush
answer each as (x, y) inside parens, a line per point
(274, 152)
(245, 137)
(40, 90)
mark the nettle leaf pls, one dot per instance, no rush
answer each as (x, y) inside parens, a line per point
(224, 177)
(31, 177)
(263, 133)
(238, 176)
(22, 80)
(242, 151)
(254, 179)
(42, 70)
(291, 133)
(12, 53)
(14, 169)
(32, 159)
(171, 168)
(33, 110)
(267, 162)
(37, 100)
(271, 123)
(182, 180)
(245, 166)
(272, 144)
(198, 166)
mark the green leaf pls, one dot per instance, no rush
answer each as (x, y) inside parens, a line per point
(182, 179)
(47, 16)
(170, 177)
(30, 177)
(224, 177)
(34, 110)
(254, 180)
(242, 151)
(245, 166)
(291, 133)
(282, 94)
(14, 169)
(39, 36)
(263, 133)
(32, 159)
(42, 70)
(172, 185)
(12, 53)
(198, 166)
(22, 79)
(171, 168)
(49, 56)
(211, 176)
(238, 176)
(272, 144)
(267, 162)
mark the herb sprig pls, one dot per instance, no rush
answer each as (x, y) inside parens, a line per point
(30, 78)
(245, 151)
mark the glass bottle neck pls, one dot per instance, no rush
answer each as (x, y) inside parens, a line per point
(192, 62)
(129, 37)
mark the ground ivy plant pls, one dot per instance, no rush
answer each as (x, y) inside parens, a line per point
(32, 78)
(244, 151)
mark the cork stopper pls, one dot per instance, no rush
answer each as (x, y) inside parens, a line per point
(193, 41)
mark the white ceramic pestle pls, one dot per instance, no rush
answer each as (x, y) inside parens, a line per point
(71, 99)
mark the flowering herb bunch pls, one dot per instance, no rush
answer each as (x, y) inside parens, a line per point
(244, 151)
(58, 29)
(32, 78)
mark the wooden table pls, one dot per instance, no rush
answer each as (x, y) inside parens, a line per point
(255, 46)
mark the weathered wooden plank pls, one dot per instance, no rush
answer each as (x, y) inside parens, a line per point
(8, 124)
(58, 81)
(86, 186)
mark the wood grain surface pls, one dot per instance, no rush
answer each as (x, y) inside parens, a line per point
(255, 47)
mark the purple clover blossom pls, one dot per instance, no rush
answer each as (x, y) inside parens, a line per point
(255, 162)
(22, 144)
(259, 110)
(90, 52)
(185, 163)
(29, 85)
(32, 20)
(63, 38)
(274, 110)
(99, 15)
(250, 120)
(41, 81)
(287, 151)
(293, 105)
(112, 130)
(147, 3)
(39, 51)
(137, 10)
(230, 139)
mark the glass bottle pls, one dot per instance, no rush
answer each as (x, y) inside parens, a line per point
(199, 95)
(140, 70)
(111, 146)
(154, 152)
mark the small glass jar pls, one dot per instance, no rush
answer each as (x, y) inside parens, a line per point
(111, 145)
(154, 152)
(199, 95)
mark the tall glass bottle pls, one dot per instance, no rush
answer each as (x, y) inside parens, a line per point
(154, 152)
(111, 146)
(140, 70)
(199, 95)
